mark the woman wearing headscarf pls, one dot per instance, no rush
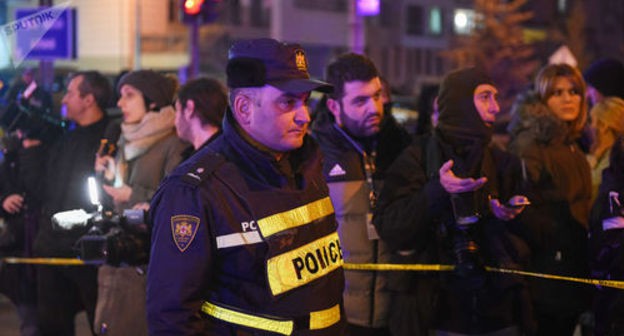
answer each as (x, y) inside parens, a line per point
(148, 149)
(446, 201)
(545, 127)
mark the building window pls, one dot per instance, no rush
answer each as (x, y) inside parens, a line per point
(463, 21)
(428, 62)
(435, 21)
(259, 15)
(414, 22)
(439, 65)
(409, 61)
(386, 15)
(234, 12)
(340, 6)
(417, 61)
(174, 15)
(384, 60)
(398, 64)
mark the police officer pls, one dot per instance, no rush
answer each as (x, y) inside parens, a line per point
(244, 235)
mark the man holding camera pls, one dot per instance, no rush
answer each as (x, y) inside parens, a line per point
(452, 198)
(244, 236)
(65, 290)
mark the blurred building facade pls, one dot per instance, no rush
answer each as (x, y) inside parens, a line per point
(405, 39)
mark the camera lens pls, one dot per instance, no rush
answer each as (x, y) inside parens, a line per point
(467, 254)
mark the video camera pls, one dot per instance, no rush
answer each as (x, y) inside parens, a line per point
(35, 121)
(114, 239)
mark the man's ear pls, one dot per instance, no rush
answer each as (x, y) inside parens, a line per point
(334, 107)
(189, 108)
(242, 109)
(90, 99)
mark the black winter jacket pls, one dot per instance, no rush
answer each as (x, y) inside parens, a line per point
(63, 180)
(556, 221)
(415, 216)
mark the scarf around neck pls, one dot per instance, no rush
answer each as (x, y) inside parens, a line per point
(137, 138)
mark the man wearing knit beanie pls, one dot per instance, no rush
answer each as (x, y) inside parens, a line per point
(605, 78)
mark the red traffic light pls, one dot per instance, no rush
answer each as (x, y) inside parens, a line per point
(192, 7)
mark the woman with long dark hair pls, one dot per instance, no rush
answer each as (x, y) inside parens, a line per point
(545, 126)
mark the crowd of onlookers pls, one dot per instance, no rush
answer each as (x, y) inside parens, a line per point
(549, 202)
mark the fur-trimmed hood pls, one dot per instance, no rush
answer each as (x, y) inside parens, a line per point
(531, 119)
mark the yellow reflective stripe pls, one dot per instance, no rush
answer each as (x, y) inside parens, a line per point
(397, 267)
(324, 318)
(599, 282)
(45, 261)
(318, 319)
(247, 320)
(295, 217)
(437, 267)
(304, 264)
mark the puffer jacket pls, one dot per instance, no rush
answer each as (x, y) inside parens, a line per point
(367, 296)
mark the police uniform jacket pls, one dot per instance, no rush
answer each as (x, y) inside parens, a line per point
(345, 167)
(234, 227)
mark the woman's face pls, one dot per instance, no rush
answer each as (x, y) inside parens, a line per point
(131, 104)
(565, 100)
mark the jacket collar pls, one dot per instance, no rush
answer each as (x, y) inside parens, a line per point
(262, 164)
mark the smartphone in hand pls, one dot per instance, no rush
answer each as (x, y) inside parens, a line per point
(517, 202)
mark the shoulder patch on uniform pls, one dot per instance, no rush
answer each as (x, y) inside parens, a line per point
(183, 230)
(337, 170)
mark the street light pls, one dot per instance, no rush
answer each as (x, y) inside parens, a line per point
(191, 9)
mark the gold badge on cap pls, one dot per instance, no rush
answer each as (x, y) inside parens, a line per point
(300, 60)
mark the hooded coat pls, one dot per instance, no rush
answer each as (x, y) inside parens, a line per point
(556, 221)
(415, 217)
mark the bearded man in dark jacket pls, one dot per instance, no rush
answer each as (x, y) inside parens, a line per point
(453, 198)
(359, 141)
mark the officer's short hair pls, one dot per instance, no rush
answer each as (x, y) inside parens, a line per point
(93, 82)
(209, 96)
(347, 68)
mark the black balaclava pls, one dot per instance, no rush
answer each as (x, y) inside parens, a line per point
(460, 128)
